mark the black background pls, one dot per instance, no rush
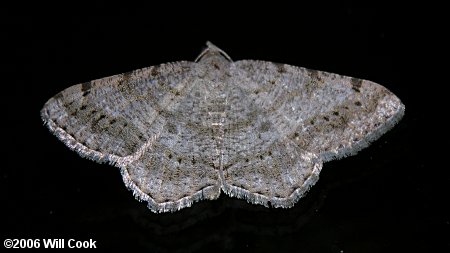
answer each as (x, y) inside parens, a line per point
(391, 196)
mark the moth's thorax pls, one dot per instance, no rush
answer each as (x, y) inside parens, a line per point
(214, 61)
(216, 69)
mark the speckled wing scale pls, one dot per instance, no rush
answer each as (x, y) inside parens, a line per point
(185, 131)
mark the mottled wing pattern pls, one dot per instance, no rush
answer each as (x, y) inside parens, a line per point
(177, 168)
(294, 119)
(127, 120)
(259, 163)
(327, 114)
(258, 130)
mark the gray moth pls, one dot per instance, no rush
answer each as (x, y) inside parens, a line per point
(184, 131)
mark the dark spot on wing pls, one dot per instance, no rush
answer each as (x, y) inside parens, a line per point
(86, 86)
(357, 103)
(281, 68)
(356, 84)
(314, 74)
(265, 126)
(154, 72)
(125, 79)
(226, 166)
(95, 122)
(171, 128)
(325, 74)
(356, 89)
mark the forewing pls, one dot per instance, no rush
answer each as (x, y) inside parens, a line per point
(113, 117)
(326, 114)
(134, 121)
(177, 168)
(284, 121)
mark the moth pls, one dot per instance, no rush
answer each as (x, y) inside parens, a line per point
(184, 131)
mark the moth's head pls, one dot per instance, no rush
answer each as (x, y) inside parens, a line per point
(213, 56)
